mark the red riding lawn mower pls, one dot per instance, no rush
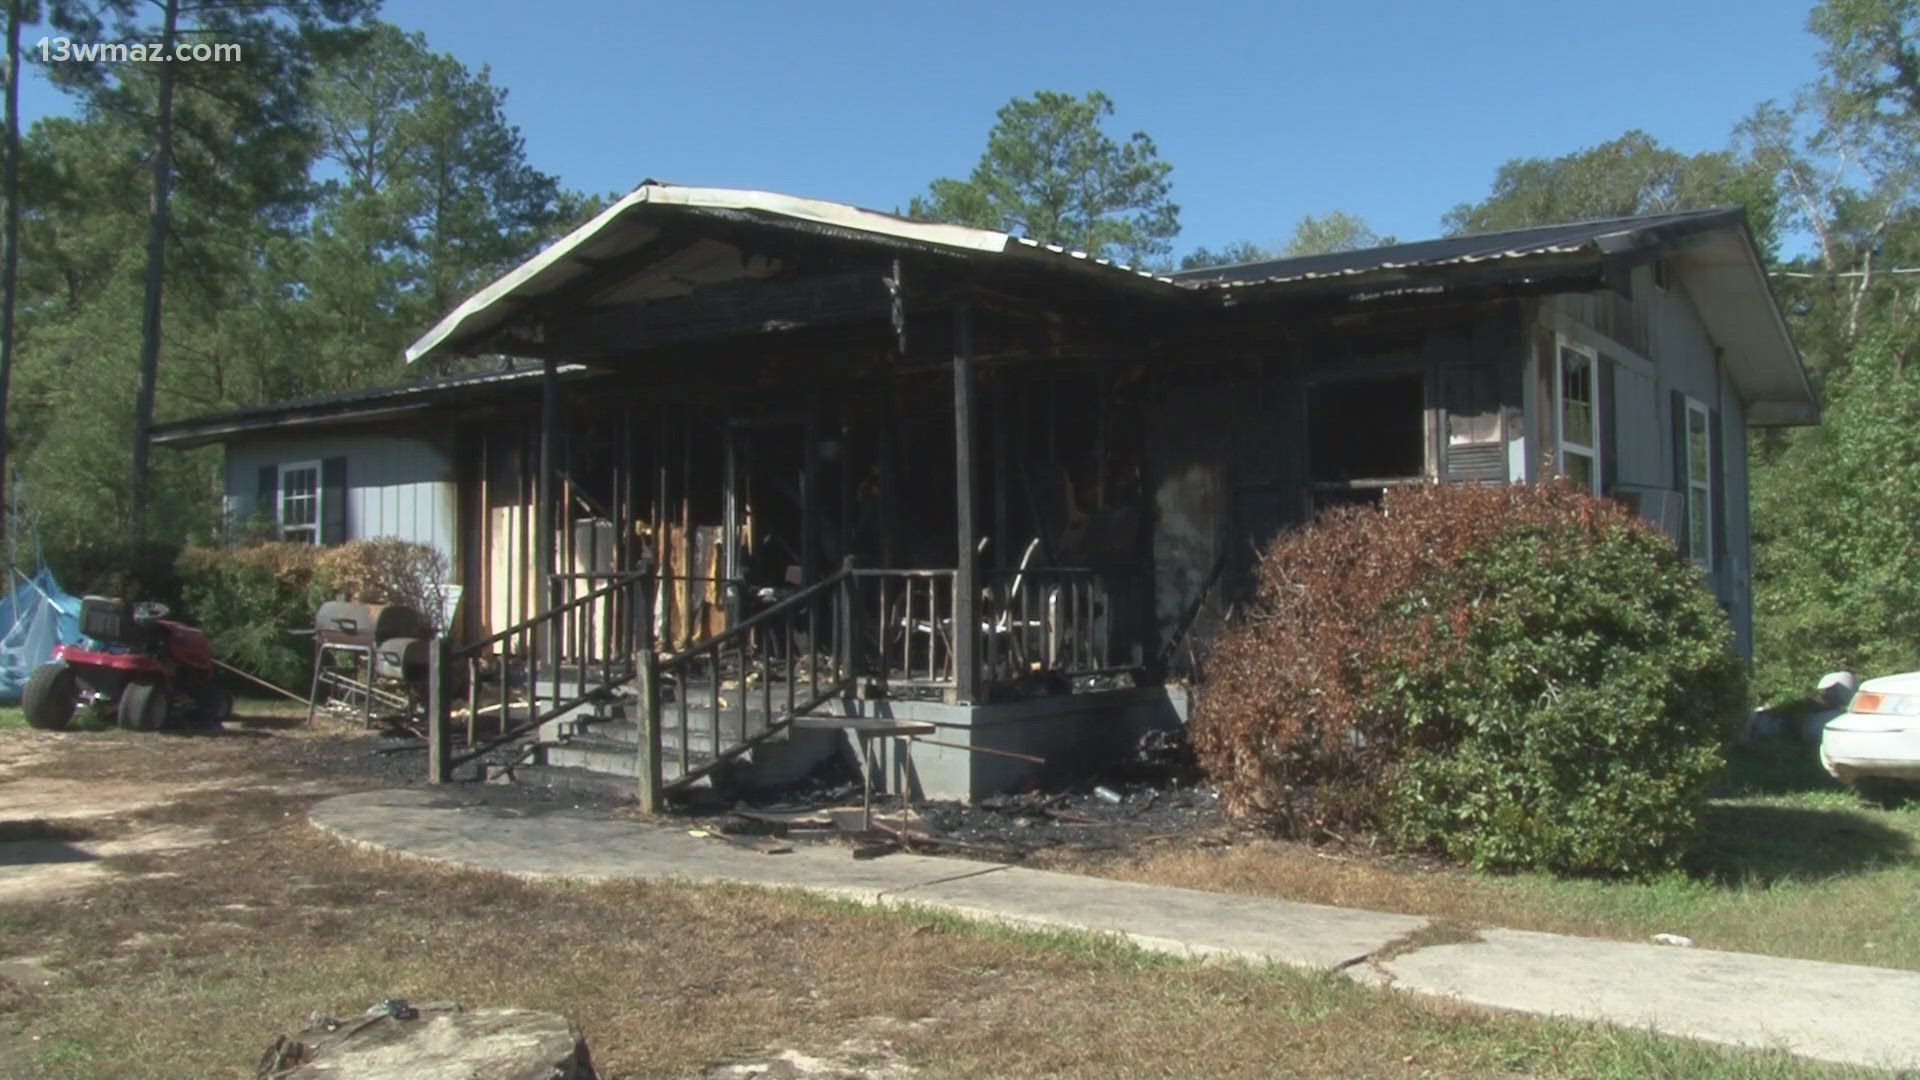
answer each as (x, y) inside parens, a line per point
(146, 671)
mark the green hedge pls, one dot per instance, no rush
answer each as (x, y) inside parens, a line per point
(249, 599)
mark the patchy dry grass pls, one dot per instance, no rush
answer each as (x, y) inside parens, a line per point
(185, 965)
(1790, 864)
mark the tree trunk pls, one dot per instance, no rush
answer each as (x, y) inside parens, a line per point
(10, 257)
(156, 271)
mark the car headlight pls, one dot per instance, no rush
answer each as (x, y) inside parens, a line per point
(1885, 704)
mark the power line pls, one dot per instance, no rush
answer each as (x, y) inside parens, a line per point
(1844, 273)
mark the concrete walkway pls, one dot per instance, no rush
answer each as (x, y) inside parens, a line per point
(1831, 1012)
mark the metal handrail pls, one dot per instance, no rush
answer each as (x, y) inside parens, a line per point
(619, 581)
(757, 619)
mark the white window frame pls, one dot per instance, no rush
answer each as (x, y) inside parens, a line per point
(1699, 491)
(280, 501)
(1563, 345)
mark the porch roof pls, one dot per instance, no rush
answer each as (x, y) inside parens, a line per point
(627, 234)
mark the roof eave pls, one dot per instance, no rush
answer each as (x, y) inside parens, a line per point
(191, 435)
(1767, 371)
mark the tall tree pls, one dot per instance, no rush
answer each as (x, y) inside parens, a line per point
(275, 36)
(19, 12)
(1237, 253)
(1633, 174)
(1323, 234)
(1332, 232)
(1846, 156)
(1052, 173)
(428, 194)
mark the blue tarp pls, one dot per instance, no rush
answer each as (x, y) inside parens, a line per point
(34, 617)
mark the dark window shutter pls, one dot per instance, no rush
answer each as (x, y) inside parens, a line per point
(1677, 406)
(1546, 406)
(1609, 443)
(1716, 466)
(333, 500)
(266, 500)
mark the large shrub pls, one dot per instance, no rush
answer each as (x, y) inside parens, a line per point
(388, 570)
(250, 599)
(1512, 676)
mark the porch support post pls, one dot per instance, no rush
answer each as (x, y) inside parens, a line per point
(730, 526)
(646, 670)
(810, 493)
(543, 526)
(440, 711)
(966, 594)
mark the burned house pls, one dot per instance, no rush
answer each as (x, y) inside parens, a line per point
(770, 464)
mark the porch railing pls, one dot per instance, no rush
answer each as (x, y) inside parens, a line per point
(910, 640)
(575, 654)
(747, 684)
(1057, 620)
(1052, 620)
(716, 699)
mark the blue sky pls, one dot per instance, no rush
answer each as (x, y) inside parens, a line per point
(1391, 110)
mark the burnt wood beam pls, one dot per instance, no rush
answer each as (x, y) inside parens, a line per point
(810, 492)
(549, 423)
(734, 309)
(966, 596)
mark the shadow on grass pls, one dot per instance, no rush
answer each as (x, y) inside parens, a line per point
(1781, 766)
(1748, 844)
(269, 723)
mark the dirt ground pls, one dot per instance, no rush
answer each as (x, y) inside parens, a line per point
(165, 911)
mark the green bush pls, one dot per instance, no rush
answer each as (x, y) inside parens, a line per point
(249, 600)
(1514, 677)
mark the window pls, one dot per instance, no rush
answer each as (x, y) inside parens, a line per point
(299, 510)
(1365, 434)
(1699, 454)
(1576, 388)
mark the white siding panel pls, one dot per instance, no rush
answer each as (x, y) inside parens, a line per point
(1637, 431)
(396, 486)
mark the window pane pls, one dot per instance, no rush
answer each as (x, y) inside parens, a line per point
(300, 504)
(1576, 398)
(1576, 424)
(1699, 452)
(1697, 539)
(1579, 469)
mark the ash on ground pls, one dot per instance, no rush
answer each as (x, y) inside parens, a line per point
(1156, 795)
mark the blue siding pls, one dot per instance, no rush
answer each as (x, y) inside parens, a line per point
(396, 486)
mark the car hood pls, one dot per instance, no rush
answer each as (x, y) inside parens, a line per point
(1904, 683)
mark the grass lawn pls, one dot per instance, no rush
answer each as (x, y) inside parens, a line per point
(186, 964)
(1790, 864)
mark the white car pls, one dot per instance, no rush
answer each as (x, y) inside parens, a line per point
(1877, 738)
